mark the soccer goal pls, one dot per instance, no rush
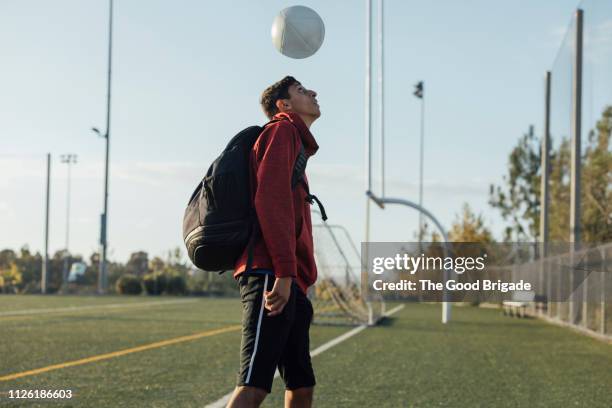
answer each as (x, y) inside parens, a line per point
(337, 297)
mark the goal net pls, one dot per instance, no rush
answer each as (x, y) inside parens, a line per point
(337, 297)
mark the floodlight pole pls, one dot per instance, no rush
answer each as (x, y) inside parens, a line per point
(69, 160)
(419, 92)
(421, 165)
(45, 265)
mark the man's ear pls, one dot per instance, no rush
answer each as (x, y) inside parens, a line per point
(283, 105)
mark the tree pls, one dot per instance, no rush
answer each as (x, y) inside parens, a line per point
(175, 264)
(157, 265)
(92, 272)
(55, 271)
(10, 278)
(558, 212)
(469, 228)
(519, 200)
(7, 256)
(597, 182)
(426, 234)
(596, 186)
(30, 267)
(138, 264)
(115, 270)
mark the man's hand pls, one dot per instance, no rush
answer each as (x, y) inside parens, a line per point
(278, 297)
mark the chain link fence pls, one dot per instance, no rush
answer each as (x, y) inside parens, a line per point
(573, 289)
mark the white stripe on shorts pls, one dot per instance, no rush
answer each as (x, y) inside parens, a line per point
(248, 377)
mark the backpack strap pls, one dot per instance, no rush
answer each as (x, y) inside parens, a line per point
(299, 169)
(254, 235)
(311, 197)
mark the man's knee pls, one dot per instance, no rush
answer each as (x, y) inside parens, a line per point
(247, 397)
(299, 397)
(302, 392)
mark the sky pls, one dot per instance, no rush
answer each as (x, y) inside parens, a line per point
(187, 76)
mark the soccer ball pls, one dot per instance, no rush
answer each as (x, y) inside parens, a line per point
(298, 32)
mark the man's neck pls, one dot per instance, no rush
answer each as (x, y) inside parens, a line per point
(308, 120)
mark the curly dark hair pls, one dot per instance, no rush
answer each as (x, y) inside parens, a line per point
(276, 91)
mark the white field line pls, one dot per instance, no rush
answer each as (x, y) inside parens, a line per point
(222, 402)
(79, 308)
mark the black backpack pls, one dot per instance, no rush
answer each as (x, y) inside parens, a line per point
(220, 219)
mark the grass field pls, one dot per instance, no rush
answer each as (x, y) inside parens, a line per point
(480, 359)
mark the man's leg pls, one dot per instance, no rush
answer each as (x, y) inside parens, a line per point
(263, 341)
(295, 367)
(299, 398)
(247, 397)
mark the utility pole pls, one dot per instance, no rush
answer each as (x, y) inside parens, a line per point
(102, 277)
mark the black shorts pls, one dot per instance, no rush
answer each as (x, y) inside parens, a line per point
(269, 342)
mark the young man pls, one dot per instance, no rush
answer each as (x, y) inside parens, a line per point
(276, 312)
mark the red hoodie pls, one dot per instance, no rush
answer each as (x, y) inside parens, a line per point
(283, 213)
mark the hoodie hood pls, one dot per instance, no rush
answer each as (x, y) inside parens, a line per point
(308, 140)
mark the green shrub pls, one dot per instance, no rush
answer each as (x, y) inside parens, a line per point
(129, 285)
(176, 285)
(196, 285)
(31, 287)
(155, 283)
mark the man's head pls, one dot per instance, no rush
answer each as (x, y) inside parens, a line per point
(288, 95)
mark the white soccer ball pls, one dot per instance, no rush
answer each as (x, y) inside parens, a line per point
(298, 32)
